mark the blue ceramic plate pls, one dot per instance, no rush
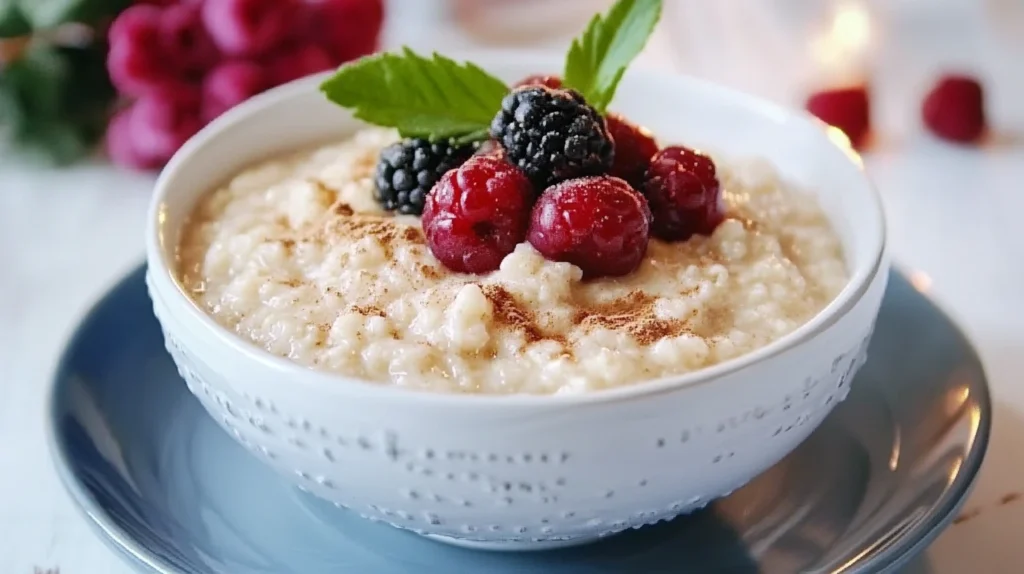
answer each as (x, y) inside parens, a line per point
(175, 495)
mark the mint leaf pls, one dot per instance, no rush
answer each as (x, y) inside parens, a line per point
(433, 98)
(598, 58)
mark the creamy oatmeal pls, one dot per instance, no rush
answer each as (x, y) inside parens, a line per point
(295, 255)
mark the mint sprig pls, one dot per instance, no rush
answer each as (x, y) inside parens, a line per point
(433, 98)
(437, 98)
(599, 57)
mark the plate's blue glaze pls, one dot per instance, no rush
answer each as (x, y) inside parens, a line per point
(174, 494)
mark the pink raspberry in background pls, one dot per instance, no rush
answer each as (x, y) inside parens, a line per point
(954, 109)
(189, 61)
(135, 62)
(228, 85)
(297, 62)
(134, 24)
(184, 39)
(249, 27)
(347, 28)
(121, 146)
(162, 121)
(848, 109)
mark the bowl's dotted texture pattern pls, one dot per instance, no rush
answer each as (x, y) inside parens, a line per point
(523, 497)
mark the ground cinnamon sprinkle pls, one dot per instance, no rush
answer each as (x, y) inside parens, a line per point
(617, 313)
(509, 313)
(389, 233)
(413, 235)
(430, 272)
(634, 314)
(369, 311)
(648, 331)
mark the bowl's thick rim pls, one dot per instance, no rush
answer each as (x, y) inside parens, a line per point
(171, 293)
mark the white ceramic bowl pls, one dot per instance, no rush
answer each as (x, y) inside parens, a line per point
(528, 471)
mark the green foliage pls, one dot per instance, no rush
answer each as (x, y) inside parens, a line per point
(12, 21)
(28, 15)
(54, 100)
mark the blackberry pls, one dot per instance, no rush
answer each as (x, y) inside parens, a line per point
(407, 170)
(552, 135)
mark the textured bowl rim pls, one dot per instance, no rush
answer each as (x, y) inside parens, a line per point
(172, 294)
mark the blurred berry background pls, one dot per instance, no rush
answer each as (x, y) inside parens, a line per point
(149, 74)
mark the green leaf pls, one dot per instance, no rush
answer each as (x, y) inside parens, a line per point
(433, 98)
(44, 14)
(54, 101)
(599, 57)
(38, 78)
(12, 21)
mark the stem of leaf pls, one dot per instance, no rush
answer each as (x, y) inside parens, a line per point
(477, 136)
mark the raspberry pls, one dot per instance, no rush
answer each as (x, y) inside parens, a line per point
(249, 27)
(599, 224)
(955, 109)
(683, 191)
(136, 62)
(477, 214)
(847, 109)
(162, 121)
(121, 147)
(184, 39)
(553, 82)
(552, 135)
(347, 29)
(297, 62)
(230, 84)
(135, 23)
(634, 147)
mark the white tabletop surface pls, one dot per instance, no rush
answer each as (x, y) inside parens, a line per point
(954, 217)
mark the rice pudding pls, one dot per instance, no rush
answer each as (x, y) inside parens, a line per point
(296, 256)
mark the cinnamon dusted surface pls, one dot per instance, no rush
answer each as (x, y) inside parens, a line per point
(295, 256)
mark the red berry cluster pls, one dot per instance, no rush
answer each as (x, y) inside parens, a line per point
(185, 62)
(477, 213)
(953, 110)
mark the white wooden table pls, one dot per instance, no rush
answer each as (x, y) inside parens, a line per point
(65, 236)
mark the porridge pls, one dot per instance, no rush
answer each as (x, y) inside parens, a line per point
(297, 256)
